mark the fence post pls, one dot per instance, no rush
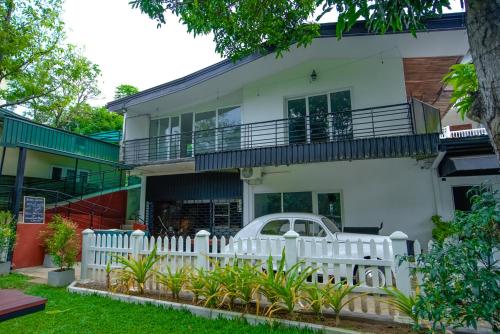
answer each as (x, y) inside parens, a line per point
(291, 251)
(86, 237)
(136, 241)
(399, 249)
(201, 249)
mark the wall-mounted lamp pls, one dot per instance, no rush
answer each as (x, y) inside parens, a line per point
(314, 76)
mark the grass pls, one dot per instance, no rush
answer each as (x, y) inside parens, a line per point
(71, 313)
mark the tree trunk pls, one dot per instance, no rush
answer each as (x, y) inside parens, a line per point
(483, 30)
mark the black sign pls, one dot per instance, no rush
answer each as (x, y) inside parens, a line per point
(34, 210)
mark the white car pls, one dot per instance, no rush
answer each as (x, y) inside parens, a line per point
(316, 228)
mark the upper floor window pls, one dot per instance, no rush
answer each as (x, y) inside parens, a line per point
(320, 118)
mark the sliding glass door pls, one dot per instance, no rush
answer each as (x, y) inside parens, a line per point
(320, 118)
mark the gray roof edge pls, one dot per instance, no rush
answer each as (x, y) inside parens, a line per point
(445, 22)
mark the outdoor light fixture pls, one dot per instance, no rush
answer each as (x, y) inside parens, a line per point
(314, 76)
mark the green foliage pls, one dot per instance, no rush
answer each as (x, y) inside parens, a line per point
(284, 288)
(463, 79)
(461, 275)
(136, 272)
(314, 296)
(404, 304)
(7, 234)
(441, 230)
(61, 241)
(337, 297)
(174, 280)
(196, 282)
(38, 70)
(243, 27)
(92, 120)
(125, 90)
(211, 290)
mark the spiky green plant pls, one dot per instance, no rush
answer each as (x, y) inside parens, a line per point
(173, 280)
(227, 277)
(7, 234)
(403, 303)
(284, 288)
(246, 285)
(196, 282)
(314, 298)
(337, 297)
(108, 275)
(137, 271)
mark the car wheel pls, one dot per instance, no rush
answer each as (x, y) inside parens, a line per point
(370, 273)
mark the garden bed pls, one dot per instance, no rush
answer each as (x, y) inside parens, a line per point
(350, 323)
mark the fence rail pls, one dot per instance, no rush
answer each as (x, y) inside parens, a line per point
(448, 133)
(355, 262)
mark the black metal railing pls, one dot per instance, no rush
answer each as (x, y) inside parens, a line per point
(382, 121)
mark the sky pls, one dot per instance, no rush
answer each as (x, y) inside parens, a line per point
(129, 48)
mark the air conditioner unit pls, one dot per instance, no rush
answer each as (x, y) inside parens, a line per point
(248, 174)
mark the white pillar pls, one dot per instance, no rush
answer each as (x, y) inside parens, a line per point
(399, 249)
(201, 240)
(291, 250)
(87, 235)
(136, 242)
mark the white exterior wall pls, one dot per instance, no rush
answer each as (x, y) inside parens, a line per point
(265, 99)
(397, 192)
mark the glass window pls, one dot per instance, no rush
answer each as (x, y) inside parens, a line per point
(163, 132)
(229, 135)
(318, 118)
(186, 145)
(297, 121)
(297, 202)
(462, 197)
(330, 225)
(70, 174)
(342, 114)
(276, 227)
(308, 228)
(153, 141)
(204, 125)
(267, 203)
(329, 205)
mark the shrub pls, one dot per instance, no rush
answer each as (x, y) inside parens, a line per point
(442, 229)
(461, 276)
(196, 282)
(61, 241)
(283, 289)
(136, 272)
(336, 297)
(403, 303)
(7, 234)
(314, 296)
(211, 289)
(174, 280)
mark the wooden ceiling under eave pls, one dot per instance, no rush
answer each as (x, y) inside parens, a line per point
(423, 79)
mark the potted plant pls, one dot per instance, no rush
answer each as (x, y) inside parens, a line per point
(7, 240)
(62, 243)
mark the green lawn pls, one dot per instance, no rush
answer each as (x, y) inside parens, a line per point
(71, 313)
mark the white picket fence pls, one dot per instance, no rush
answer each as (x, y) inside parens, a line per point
(448, 133)
(348, 260)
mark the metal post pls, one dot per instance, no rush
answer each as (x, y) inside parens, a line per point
(18, 185)
(2, 159)
(76, 173)
(373, 124)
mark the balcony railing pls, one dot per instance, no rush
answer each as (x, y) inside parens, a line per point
(447, 133)
(383, 121)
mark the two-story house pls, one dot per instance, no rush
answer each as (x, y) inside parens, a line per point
(344, 128)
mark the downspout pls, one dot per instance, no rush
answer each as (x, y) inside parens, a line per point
(435, 181)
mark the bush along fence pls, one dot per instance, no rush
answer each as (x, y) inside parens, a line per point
(370, 268)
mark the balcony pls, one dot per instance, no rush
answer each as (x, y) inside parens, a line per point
(350, 126)
(448, 133)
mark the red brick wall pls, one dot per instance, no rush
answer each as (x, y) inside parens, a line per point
(28, 251)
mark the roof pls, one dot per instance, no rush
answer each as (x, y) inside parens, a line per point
(453, 21)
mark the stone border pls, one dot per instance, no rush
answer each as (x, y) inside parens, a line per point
(207, 312)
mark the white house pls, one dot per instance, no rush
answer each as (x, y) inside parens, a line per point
(345, 128)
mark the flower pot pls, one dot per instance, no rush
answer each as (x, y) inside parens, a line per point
(4, 268)
(48, 262)
(61, 278)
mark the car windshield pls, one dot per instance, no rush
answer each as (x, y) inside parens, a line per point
(330, 225)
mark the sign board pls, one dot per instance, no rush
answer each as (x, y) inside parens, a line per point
(34, 210)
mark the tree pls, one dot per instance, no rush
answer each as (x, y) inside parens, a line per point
(95, 119)
(243, 27)
(125, 90)
(460, 274)
(38, 71)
